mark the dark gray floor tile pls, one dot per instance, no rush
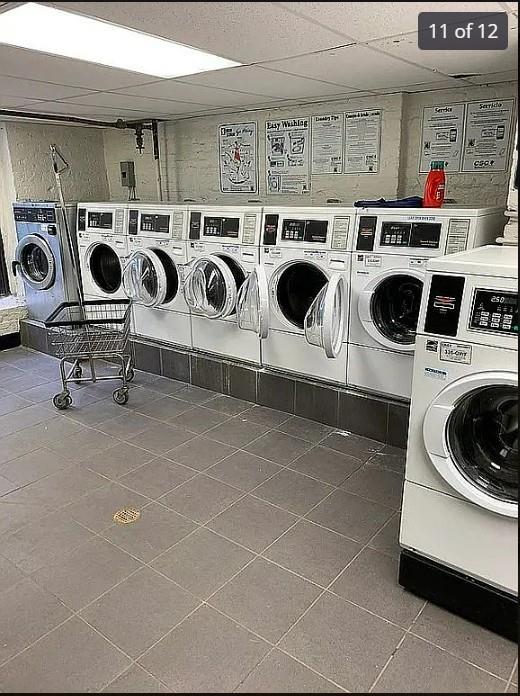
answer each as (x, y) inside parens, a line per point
(326, 464)
(43, 392)
(390, 457)
(252, 523)
(265, 598)
(140, 397)
(139, 611)
(467, 640)
(57, 429)
(90, 663)
(43, 542)
(420, 667)
(9, 575)
(198, 419)
(157, 477)
(243, 470)
(387, 540)
(318, 402)
(316, 553)
(226, 651)
(345, 643)
(370, 581)
(200, 453)
(27, 612)
(363, 415)
(354, 445)
(278, 447)
(118, 460)
(15, 514)
(96, 510)
(136, 681)
(512, 689)
(161, 437)
(305, 429)
(202, 562)
(265, 416)
(280, 674)
(33, 466)
(162, 385)
(14, 446)
(201, 498)
(376, 483)
(237, 432)
(86, 573)
(11, 403)
(126, 425)
(64, 487)
(293, 491)
(351, 515)
(86, 444)
(25, 417)
(165, 408)
(156, 530)
(195, 395)
(228, 405)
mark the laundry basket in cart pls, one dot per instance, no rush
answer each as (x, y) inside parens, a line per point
(86, 332)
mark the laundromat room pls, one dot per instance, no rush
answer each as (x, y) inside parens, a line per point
(259, 347)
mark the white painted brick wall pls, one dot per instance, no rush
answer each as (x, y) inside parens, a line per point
(10, 315)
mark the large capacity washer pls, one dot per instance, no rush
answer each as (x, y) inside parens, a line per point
(44, 258)
(305, 256)
(154, 272)
(103, 248)
(223, 252)
(460, 507)
(392, 247)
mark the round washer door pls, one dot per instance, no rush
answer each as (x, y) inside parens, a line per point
(150, 277)
(470, 433)
(325, 320)
(105, 267)
(389, 306)
(210, 287)
(294, 288)
(36, 262)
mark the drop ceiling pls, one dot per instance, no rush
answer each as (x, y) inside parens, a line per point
(290, 51)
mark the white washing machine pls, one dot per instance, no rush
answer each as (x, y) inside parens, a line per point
(391, 249)
(102, 248)
(459, 521)
(223, 252)
(305, 255)
(154, 271)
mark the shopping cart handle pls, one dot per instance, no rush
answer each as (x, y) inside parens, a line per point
(14, 264)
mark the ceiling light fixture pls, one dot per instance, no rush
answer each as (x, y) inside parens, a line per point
(43, 28)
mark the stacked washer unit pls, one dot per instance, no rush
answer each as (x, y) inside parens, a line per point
(154, 272)
(223, 252)
(460, 510)
(305, 256)
(391, 249)
(102, 248)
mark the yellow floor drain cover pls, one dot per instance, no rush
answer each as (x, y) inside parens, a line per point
(127, 515)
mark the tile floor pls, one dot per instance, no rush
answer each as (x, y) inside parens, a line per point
(265, 557)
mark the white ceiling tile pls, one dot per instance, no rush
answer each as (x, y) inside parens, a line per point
(450, 83)
(16, 87)
(197, 94)
(13, 102)
(122, 101)
(364, 21)
(85, 110)
(359, 67)
(243, 31)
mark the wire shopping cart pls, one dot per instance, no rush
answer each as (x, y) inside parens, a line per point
(90, 331)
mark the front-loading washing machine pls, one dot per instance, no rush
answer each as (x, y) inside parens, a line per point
(305, 256)
(102, 248)
(223, 251)
(391, 249)
(154, 272)
(459, 529)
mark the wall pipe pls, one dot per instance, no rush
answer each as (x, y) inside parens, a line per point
(156, 156)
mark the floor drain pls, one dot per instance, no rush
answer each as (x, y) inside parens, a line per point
(127, 515)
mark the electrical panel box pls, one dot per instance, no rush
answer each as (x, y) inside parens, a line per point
(127, 174)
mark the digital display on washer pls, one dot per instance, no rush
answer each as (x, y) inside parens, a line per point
(395, 233)
(221, 227)
(444, 304)
(425, 235)
(305, 230)
(155, 223)
(495, 311)
(34, 214)
(100, 220)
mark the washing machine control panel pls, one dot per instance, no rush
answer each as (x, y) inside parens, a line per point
(305, 230)
(43, 215)
(397, 233)
(221, 227)
(495, 311)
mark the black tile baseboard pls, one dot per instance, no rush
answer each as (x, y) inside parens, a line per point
(381, 419)
(12, 340)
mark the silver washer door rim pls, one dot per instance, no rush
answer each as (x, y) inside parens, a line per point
(40, 242)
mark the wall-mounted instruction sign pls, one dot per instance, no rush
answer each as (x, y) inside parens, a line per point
(327, 144)
(362, 142)
(442, 136)
(287, 154)
(487, 140)
(238, 159)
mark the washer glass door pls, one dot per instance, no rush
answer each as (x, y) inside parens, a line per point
(253, 303)
(325, 320)
(105, 268)
(151, 278)
(210, 287)
(394, 307)
(36, 262)
(297, 286)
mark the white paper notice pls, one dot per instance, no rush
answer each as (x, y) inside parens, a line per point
(238, 158)
(327, 144)
(442, 134)
(362, 142)
(487, 139)
(287, 154)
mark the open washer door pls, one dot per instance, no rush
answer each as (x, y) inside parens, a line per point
(210, 287)
(253, 303)
(470, 432)
(151, 278)
(36, 262)
(324, 323)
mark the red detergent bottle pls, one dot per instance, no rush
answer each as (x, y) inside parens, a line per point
(435, 186)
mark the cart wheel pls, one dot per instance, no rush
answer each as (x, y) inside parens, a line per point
(62, 401)
(120, 396)
(78, 372)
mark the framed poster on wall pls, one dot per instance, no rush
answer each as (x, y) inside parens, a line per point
(442, 136)
(327, 144)
(287, 156)
(487, 138)
(238, 157)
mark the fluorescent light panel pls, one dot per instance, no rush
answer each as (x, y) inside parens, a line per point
(43, 28)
